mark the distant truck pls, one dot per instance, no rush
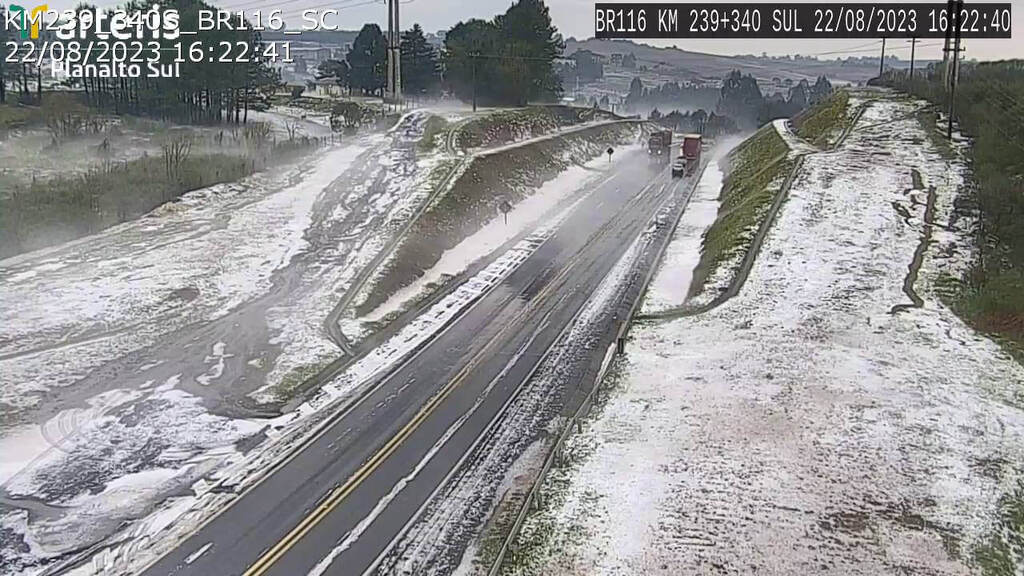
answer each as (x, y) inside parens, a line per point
(659, 146)
(689, 156)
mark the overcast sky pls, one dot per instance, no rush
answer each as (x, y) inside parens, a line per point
(576, 18)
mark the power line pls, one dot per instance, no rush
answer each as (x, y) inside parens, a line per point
(850, 49)
(873, 48)
(299, 10)
(259, 4)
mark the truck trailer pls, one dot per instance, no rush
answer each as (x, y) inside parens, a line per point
(690, 152)
(659, 146)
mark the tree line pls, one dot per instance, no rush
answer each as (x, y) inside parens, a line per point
(669, 95)
(364, 68)
(738, 105)
(741, 99)
(505, 61)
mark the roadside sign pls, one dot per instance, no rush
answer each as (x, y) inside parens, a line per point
(505, 208)
(610, 151)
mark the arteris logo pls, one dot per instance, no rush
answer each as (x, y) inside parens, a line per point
(26, 21)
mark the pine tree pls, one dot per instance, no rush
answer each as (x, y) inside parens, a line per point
(369, 60)
(507, 61)
(419, 63)
(532, 44)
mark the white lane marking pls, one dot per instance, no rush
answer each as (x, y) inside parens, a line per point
(383, 503)
(355, 533)
(195, 555)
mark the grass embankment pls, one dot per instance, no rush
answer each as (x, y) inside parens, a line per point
(512, 125)
(755, 170)
(474, 198)
(821, 125)
(989, 102)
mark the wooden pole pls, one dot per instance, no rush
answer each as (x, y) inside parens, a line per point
(913, 46)
(881, 61)
(954, 73)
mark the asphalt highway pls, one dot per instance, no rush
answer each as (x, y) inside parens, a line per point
(338, 504)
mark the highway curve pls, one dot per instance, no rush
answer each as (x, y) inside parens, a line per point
(340, 501)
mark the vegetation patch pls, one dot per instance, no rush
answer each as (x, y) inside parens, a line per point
(540, 537)
(47, 212)
(474, 198)
(293, 381)
(1002, 554)
(17, 116)
(321, 105)
(991, 295)
(434, 128)
(755, 168)
(822, 124)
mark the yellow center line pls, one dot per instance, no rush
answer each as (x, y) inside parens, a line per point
(337, 495)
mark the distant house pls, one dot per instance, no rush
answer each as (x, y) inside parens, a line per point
(292, 88)
(617, 59)
(327, 88)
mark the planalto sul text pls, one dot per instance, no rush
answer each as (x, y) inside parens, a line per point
(115, 70)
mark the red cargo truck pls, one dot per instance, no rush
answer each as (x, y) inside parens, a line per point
(689, 156)
(691, 152)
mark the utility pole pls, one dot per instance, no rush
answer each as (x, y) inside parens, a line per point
(473, 58)
(955, 72)
(398, 53)
(950, 14)
(913, 46)
(391, 56)
(881, 61)
(394, 39)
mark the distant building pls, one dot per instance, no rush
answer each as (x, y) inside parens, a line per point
(617, 59)
(327, 88)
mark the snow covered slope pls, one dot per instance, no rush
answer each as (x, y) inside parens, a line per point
(812, 424)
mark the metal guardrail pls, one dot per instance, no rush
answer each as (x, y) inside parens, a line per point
(575, 421)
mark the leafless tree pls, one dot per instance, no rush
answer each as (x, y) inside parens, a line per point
(293, 128)
(176, 151)
(257, 135)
